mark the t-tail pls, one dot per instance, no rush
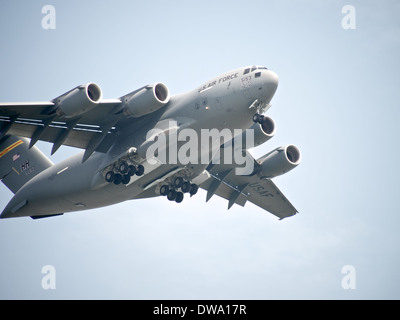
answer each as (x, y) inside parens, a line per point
(18, 163)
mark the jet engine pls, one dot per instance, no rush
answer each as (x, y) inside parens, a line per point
(279, 161)
(263, 131)
(78, 100)
(146, 100)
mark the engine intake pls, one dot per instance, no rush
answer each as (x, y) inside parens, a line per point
(146, 100)
(78, 100)
(279, 161)
(263, 131)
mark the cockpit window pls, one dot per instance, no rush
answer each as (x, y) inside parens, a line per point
(254, 68)
(258, 74)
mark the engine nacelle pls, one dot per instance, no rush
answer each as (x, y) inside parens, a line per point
(279, 161)
(263, 131)
(147, 100)
(78, 100)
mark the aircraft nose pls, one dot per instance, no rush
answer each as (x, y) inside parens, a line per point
(270, 82)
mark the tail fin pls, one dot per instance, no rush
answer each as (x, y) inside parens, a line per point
(18, 163)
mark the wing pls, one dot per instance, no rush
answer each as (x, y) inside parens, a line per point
(35, 121)
(80, 118)
(239, 189)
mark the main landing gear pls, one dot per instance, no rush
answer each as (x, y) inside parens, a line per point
(172, 192)
(123, 173)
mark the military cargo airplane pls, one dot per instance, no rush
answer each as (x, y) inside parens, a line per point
(145, 144)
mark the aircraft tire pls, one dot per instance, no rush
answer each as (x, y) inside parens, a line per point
(178, 181)
(110, 176)
(132, 170)
(185, 187)
(164, 190)
(139, 170)
(126, 178)
(193, 189)
(256, 118)
(179, 197)
(117, 179)
(123, 168)
(171, 195)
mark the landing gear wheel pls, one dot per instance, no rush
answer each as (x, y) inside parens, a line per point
(164, 190)
(110, 175)
(171, 195)
(185, 187)
(179, 197)
(139, 170)
(193, 189)
(258, 118)
(117, 179)
(123, 168)
(132, 170)
(126, 179)
(178, 182)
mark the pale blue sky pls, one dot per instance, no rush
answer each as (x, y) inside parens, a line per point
(338, 101)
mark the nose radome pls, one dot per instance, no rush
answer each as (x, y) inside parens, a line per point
(270, 82)
(273, 78)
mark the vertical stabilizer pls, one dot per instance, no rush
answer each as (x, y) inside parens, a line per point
(18, 163)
